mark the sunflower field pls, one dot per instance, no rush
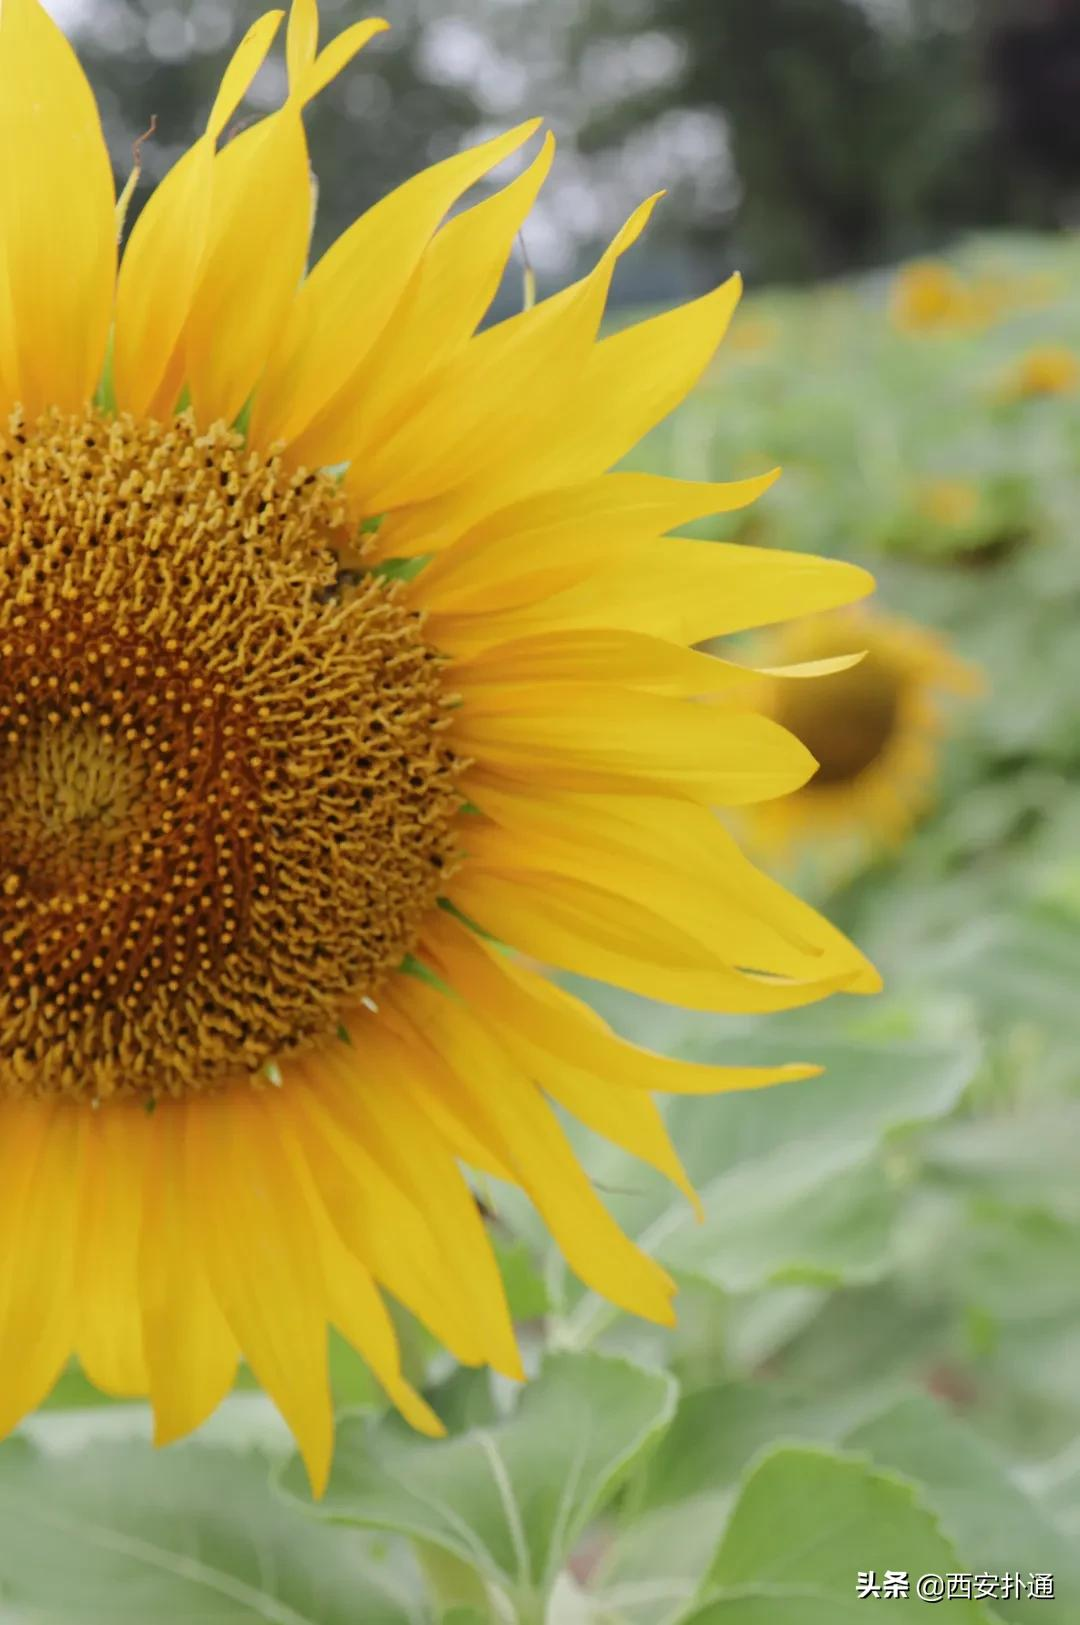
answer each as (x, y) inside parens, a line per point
(872, 1385)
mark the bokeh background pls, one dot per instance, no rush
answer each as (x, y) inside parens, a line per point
(889, 1267)
(798, 138)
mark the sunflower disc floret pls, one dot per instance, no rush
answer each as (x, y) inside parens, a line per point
(225, 792)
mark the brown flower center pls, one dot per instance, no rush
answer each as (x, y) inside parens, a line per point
(845, 720)
(226, 802)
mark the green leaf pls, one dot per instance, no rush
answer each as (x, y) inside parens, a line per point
(718, 1431)
(511, 1499)
(120, 1535)
(465, 1399)
(995, 1525)
(805, 1525)
(682, 1498)
(75, 1391)
(526, 1291)
(801, 1182)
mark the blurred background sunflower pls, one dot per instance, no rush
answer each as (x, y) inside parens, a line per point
(874, 728)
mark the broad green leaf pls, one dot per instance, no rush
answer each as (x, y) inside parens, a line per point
(527, 1295)
(681, 1499)
(717, 1432)
(512, 1498)
(994, 1524)
(1056, 1486)
(120, 1535)
(465, 1399)
(808, 1522)
(792, 1178)
(1028, 1153)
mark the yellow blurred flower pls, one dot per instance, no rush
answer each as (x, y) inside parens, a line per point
(952, 504)
(872, 727)
(753, 335)
(1000, 295)
(1048, 369)
(929, 296)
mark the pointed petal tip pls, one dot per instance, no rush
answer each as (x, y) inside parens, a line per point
(416, 1410)
(868, 980)
(316, 1455)
(869, 581)
(168, 1431)
(510, 1366)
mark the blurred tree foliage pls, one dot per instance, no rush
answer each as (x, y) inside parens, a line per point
(378, 124)
(1034, 63)
(863, 130)
(830, 134)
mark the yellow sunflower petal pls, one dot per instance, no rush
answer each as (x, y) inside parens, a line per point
(593, 932)
(675, 854)
(595, 655)
(376, 1221)
(262, 194)
(39, 1186)
(259, 1250)
(502, 1103)
(590, 736)
(191, 1355)
(532, 549)
(628, 1118)
(244, 64)
(650, 369)
(301, 41)
(350, 295)
(675, 588)
(570, 1031)
(636, 378)
(336, 56)
(368, 1094)
(486, 410)
(451, 288)
(108, 1339)
(57, 208)
(360, 1315)
(161, 263)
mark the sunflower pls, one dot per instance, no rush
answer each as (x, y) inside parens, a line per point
(873, 726)
(332, 660)
(1047, 369)
(951, 505)
(928, 296)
